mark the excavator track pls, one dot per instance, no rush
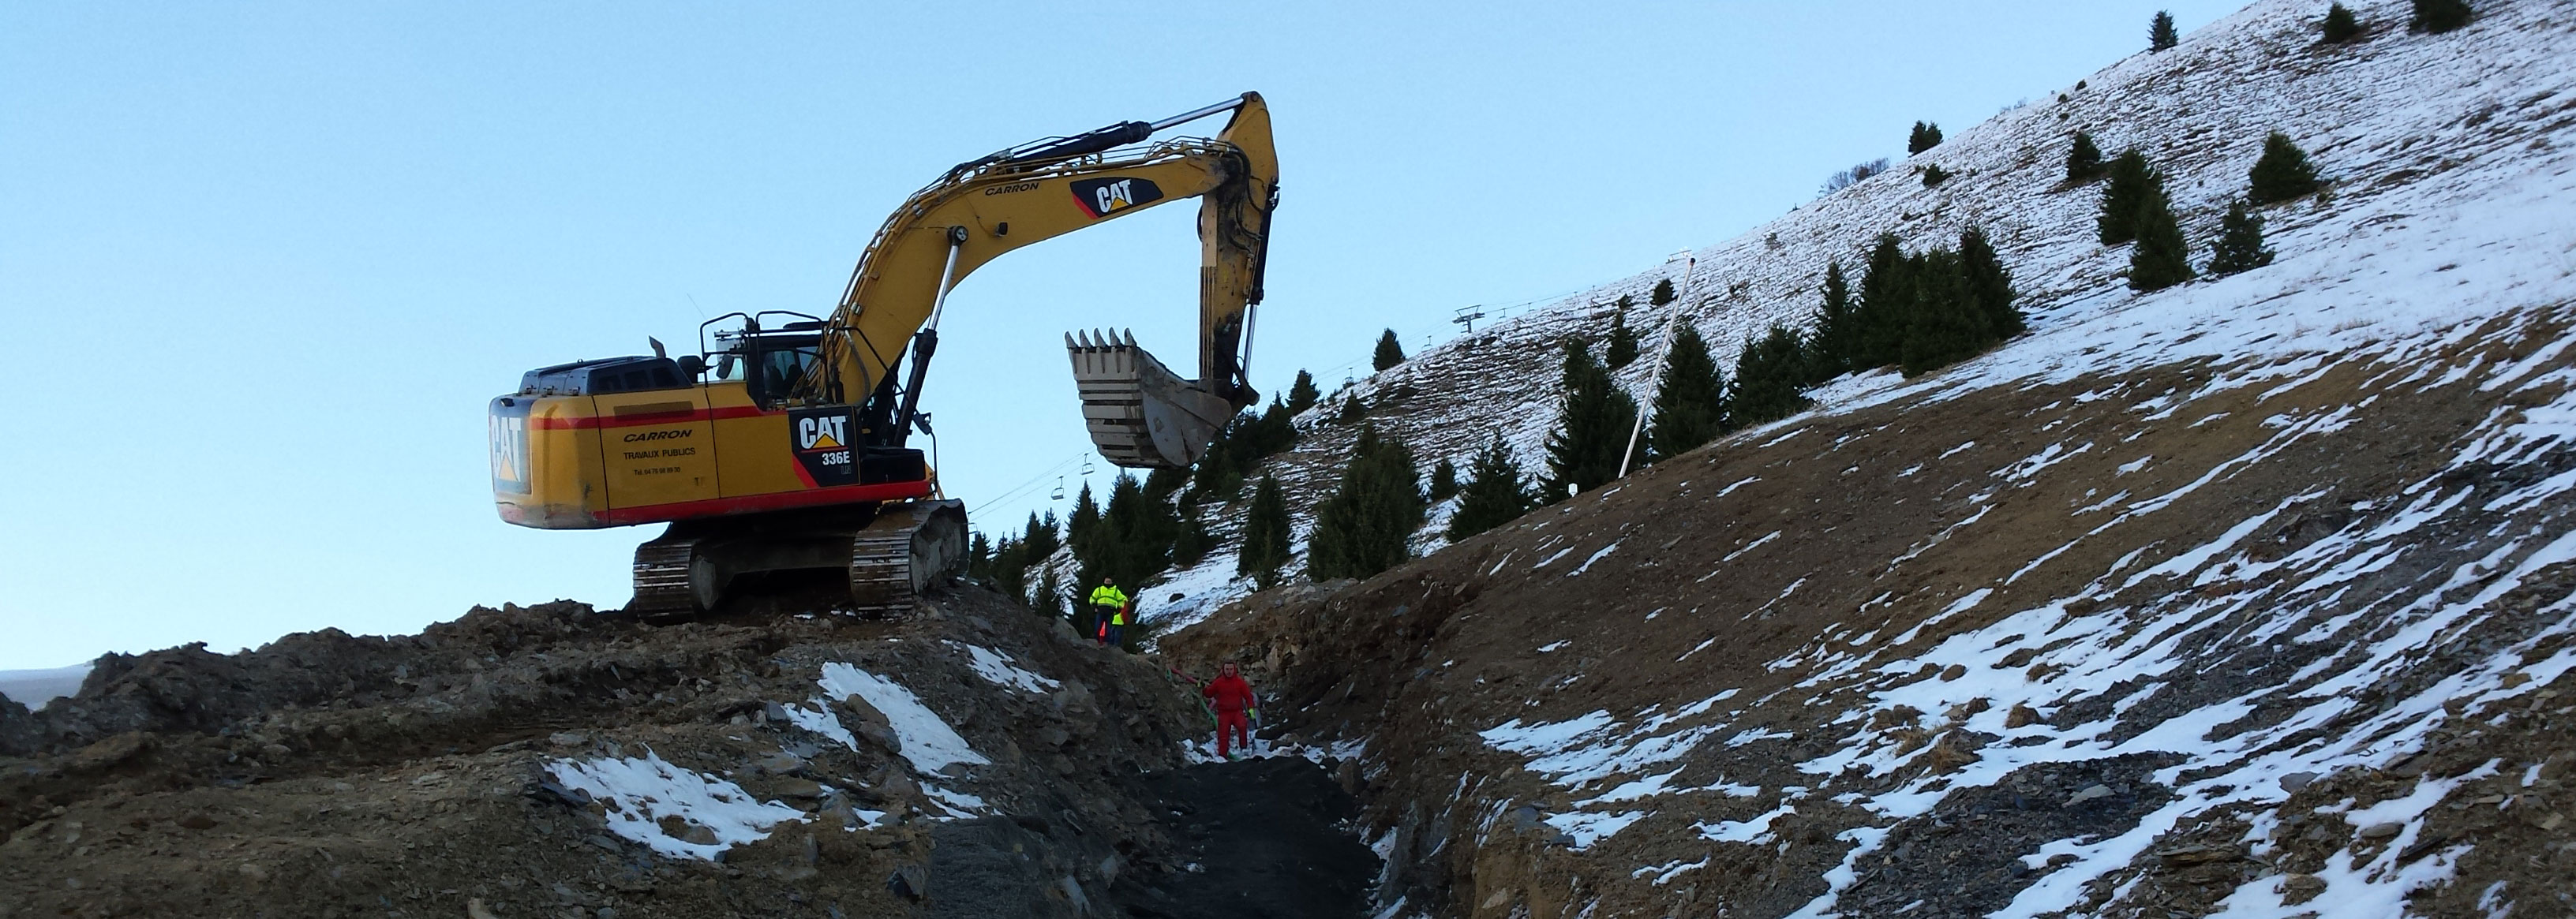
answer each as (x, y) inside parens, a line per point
(663, 588)
(891, 557)
(909, 546)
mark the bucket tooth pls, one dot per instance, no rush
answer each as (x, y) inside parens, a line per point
(1140, 414)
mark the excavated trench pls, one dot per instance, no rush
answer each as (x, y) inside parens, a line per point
(1248, 839)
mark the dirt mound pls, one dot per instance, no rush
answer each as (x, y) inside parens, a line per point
(549, 761)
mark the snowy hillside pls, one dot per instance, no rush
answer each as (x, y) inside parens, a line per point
(2250, 597)
(2442, 150)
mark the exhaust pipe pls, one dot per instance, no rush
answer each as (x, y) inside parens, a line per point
(1141, 415)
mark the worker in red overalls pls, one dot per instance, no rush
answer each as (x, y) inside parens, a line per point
(1231, 696)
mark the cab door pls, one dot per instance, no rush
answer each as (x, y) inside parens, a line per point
(659, 446)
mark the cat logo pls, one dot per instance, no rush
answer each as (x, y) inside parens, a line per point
(824, 454)
(508, 431)
(822, 432)
(1103, 197)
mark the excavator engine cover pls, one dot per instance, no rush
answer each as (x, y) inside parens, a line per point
(1140, 414)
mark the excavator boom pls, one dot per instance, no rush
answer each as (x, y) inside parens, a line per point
(1140, 414)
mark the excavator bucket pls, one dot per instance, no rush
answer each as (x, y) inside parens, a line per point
(1140, 414)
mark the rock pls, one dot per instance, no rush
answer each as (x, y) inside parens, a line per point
(799, 788)
(112, 751)
(2300, 888)
(781, 763)
(2089, 793)
(2380, 831)
(2186, 856)
(2297, 780)
(197, 822)
(474, 909)
(2020, 716)
(870, 724)
(687, 832)
(1954, 671)
(911, 882)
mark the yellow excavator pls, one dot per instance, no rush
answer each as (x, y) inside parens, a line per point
(780, 446)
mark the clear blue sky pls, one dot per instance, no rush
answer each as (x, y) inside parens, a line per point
(264, 263)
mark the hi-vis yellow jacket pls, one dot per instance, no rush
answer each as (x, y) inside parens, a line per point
(1108, 595)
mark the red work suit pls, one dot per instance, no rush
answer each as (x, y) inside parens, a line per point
(1232, 695)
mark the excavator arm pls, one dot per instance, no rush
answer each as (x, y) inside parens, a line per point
(1140, 414)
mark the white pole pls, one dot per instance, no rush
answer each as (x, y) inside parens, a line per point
(1663, 352)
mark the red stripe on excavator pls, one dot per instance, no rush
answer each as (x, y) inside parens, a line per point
(775, 501)
(550, 423)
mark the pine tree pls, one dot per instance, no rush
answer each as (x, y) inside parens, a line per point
(1039, 536)
(2283, 172)
(1367, 525)
(1303, 395)
(1934, 175)
(1265, 534)
(1623, 342)
(2160, 33)
(2240, 242)
(1132, 542)
(1389, 353)
(1077, 528)
(1925, 137)
(1690, 408)
(2132, 182)
(1990, 290)
(979, 557)
(1766, 379)
(1663, 292)
(1592, 426)
(2163, 257)
(1191, 544)
(2340, 25)
(1947, 324)
(2438, 16)
(1496, 493)
(1831, 345)
(1886, 294)
(1049, 598)
(1444, 481)
(2084, 162)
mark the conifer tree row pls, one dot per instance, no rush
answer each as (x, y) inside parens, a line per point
(1926, 136)
(1919, 312)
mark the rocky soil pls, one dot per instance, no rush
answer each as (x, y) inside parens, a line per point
(2207, 637)
(552, 761)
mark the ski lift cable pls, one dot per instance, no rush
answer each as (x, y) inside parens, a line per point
(1033, 482)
